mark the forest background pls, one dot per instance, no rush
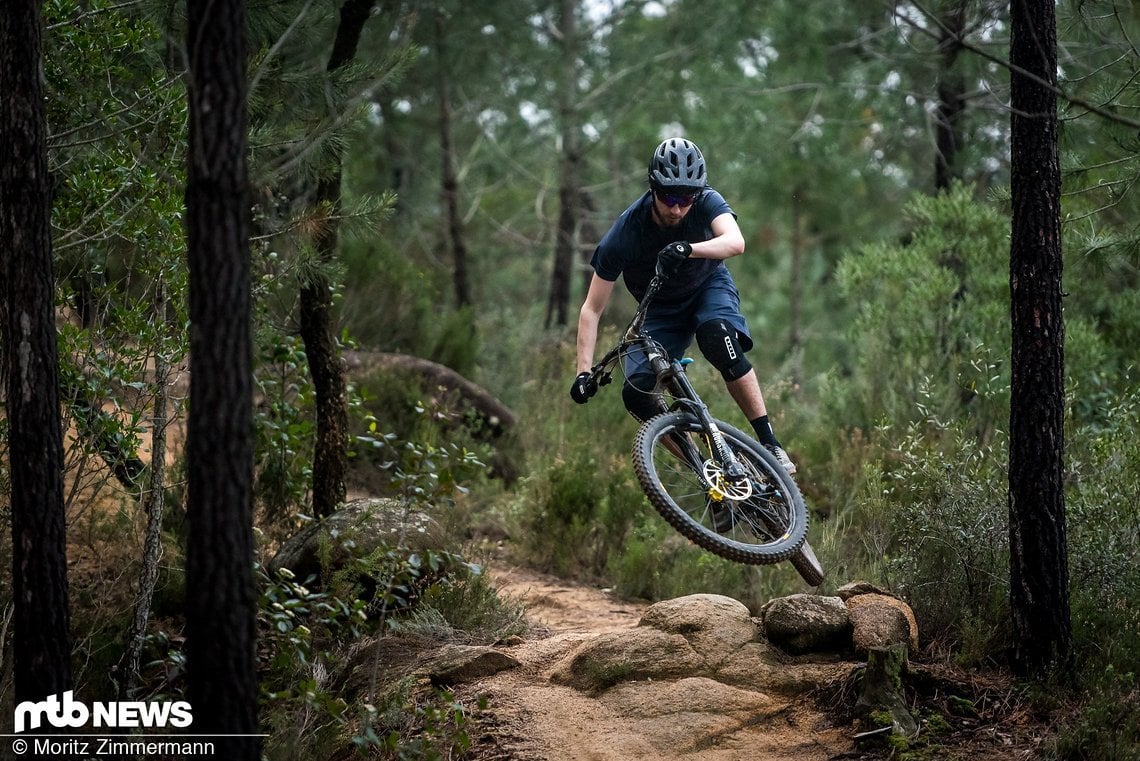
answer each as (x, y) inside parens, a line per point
(436, 184)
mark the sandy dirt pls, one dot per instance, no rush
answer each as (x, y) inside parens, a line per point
(529, 718)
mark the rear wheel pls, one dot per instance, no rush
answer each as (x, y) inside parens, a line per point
(756, 520)
(807, 565)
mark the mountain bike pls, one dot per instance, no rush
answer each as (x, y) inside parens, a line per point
(712, 482)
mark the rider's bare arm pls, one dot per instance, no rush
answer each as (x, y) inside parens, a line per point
(727, 240)
(596, 299)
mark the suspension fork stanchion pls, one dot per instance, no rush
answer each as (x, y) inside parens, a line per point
(674, 373)
(732, 467)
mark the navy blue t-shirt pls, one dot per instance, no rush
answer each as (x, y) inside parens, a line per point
(631, 246)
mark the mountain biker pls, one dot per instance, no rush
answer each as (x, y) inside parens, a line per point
(684, 229)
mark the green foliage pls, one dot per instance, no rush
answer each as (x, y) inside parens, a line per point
(932, 330)
(468, 607)
(941, 516)
(419, 472)
(1103, 491)
(583, 511)
(394, 306)
(306, 635)
(393, 579)
(1108, 727)
(284, 431)
(656, 563)
(434, 728)
(296, 626)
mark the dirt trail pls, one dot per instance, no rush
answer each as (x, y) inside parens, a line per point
(532, 719)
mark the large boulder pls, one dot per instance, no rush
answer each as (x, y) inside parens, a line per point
(804, 623)
(361, 526)
(695, 637)
(460, 664)
(713, 625)
(879, 620)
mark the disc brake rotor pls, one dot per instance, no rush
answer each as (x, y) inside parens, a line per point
(721, 487)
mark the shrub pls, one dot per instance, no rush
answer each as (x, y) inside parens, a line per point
(1104, 530)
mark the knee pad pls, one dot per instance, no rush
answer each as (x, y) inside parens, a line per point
(640, 398)
(719, 343)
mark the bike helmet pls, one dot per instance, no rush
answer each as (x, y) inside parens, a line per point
(678, 163)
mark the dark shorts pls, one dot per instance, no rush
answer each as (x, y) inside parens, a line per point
(674, 324)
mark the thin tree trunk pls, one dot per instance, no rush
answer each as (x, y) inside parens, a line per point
(795, 283)
(221, 603)
(154, 502)
(41, 648)
(587, 237)
(455, 240)
(326, 366)
(566, 240)
(1039, 593)
(951, 100)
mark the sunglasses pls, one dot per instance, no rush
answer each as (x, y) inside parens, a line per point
(684, 201)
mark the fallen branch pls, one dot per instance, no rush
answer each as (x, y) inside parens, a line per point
(498, 416)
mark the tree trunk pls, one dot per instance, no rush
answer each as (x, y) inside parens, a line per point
(455, 241)
(795, 285)
(41, 649)
(951, 99)
(220, 595)
(326, 366)
(566, 239)
(1039, 593)
(154, 501)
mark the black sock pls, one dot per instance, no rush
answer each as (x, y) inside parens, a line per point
(764, 432)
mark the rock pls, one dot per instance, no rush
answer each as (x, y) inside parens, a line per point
(459, 664)
(702, 637)
(804, 623)
(680, 714)
(714, 625)
(641, 653)
(879, 620)
(856, 588)
(362, 525)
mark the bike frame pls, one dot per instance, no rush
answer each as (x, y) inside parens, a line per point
(671, 375)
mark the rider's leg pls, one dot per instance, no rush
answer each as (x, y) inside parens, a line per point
(746, 392)
(720, 342)
(641, 397)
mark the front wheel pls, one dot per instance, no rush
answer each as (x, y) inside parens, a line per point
(757, 520)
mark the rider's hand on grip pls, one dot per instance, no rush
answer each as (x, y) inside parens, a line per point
(583, 388)
(670, 258)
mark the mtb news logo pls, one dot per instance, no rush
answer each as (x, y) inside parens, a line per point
(69, 713)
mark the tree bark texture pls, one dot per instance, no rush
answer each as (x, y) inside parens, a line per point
(318, 332)
(455, 240)
(796, 283)
(566, 238)
(154, 501)
(41, 649)
(1038, 553)
(220, 596)
(951, 99)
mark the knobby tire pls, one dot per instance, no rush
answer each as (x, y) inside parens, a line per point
(807, 565)
(768, 527)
